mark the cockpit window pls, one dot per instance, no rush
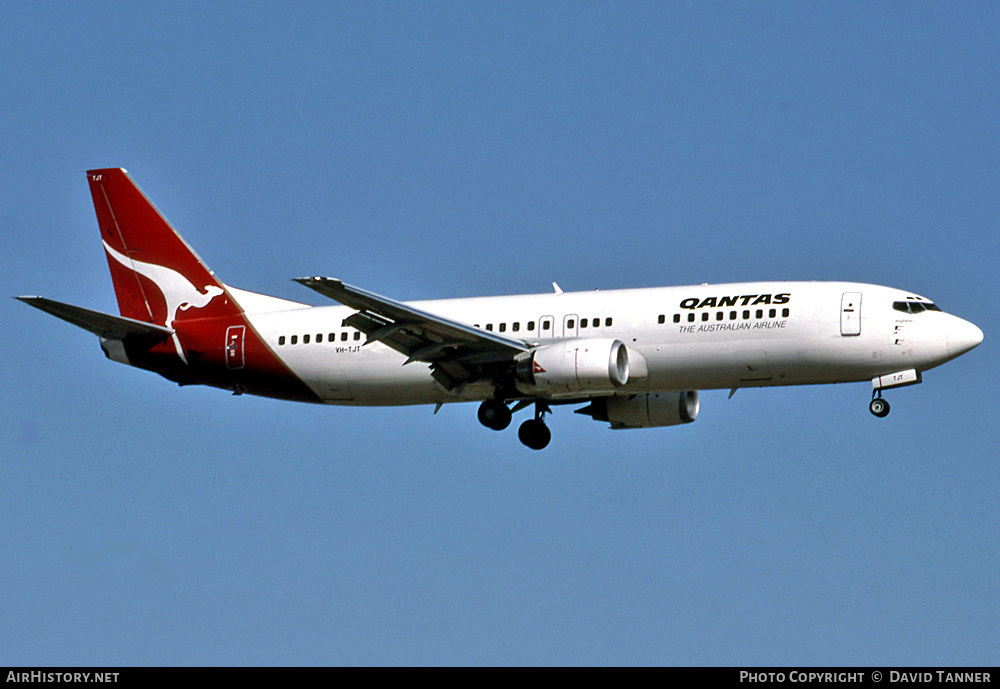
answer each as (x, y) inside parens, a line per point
(914, 306)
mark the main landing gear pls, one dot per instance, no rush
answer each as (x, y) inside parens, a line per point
(495, 414)
(533, 432)
(878, 406)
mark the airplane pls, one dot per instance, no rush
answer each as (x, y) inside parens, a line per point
(634, 358)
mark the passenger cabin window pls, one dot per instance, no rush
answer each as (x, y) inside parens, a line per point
(531, 325)
(305, 339)
(281, 340)
(343, 336)
(583, 323)
(607, 322)
(570, 324)
(503, 327)
(357, 334)
(735, 315)
(295, 339)
(546, 325)
(596, 323)
(516, 326)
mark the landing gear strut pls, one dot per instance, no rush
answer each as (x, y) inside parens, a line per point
(533, 432)
(878, 406)
(494, 414)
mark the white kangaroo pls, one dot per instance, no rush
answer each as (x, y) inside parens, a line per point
(179, 293)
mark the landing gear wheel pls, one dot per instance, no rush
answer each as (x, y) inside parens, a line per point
(879, 407)
(494, 414)
(534, 434)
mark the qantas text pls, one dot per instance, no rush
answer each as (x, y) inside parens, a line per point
(741, 300)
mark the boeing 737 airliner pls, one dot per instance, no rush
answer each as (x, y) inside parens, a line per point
(634, 358)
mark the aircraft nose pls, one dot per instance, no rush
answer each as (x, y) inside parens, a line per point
(963, 336)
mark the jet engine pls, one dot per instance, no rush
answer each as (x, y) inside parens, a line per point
(572, 366)
(647, 410)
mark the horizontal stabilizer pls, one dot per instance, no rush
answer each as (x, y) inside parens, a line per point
(101, 324)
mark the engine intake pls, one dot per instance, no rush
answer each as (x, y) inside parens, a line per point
(591, 365)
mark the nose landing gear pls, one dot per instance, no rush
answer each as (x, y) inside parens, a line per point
(878, 406)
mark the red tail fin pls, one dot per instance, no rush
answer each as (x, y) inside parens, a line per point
(158, 278)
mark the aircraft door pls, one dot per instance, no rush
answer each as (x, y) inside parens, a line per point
(570, 325)
(850, 313)
(234, 346)
(546, 327)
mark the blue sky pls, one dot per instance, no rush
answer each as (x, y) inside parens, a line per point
(455, 149)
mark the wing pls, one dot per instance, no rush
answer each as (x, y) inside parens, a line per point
(458, 353)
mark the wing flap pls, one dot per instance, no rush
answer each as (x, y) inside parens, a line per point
(457, 353)
(420, 335)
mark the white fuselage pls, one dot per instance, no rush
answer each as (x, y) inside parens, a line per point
(635, 357)
(678, 338)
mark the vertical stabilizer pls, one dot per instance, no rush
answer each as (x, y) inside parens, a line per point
(158, 278)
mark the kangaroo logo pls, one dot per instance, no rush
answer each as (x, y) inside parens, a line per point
(178, 292)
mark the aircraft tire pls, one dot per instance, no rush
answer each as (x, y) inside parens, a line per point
(494, 414)
(879, 407)
(534, 434)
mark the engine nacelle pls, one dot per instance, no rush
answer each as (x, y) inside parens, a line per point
(647, 410)
(596, 365)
